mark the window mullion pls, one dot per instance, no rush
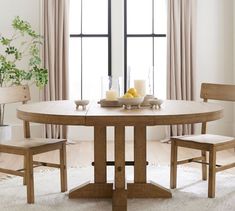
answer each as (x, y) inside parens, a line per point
(86, 32)
(125, 45)
(152, 35)
(81, 52)
(153, 49)
(109, 39)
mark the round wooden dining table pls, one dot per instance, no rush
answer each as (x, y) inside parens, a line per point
(172, 112)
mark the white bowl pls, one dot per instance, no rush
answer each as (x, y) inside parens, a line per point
(155, 102)
(147, 98)
(136, 101)
(82, 103)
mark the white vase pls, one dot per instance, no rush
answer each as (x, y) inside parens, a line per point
(5, 133)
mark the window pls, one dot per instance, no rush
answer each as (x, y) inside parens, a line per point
(143, 50)
(90, 47)
(145, 43)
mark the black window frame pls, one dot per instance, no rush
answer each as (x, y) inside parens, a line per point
(108, 35)
(153, 35)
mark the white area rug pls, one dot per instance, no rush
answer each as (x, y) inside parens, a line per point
(191, 193)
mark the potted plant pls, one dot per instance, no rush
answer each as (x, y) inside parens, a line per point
(20, 62)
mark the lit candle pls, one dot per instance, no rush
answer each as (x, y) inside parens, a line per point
(140, 86)
(111, 95)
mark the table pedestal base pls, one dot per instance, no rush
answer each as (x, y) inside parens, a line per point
(119, 196)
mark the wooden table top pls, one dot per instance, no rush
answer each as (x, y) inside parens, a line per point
(52, 112)
(171, 112)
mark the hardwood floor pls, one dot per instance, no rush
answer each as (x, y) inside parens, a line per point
(81, 154)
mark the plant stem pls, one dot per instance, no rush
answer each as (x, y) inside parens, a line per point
(1, 115)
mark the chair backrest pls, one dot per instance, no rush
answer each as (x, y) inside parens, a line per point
(14, 94)
(224, 92)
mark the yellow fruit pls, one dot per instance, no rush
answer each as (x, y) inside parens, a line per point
(128, 95)
(132, 91)
(136, 95)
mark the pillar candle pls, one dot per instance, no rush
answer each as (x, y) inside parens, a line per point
(111, 95)
(140, 86)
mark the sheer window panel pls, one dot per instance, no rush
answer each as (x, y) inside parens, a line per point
(160, 16)
(75, 68)
(95, 16)
(75, 17)
(95, 65)
(139, 16)
(139, 56)
(160, 65)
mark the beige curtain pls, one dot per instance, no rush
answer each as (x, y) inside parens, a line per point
(56, 41)
(181, 55)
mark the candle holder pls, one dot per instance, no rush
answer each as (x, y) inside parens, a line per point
(143, 83)
(111, 87)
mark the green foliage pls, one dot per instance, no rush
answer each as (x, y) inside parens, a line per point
(5, 41)
(22, 46)
(24, 27)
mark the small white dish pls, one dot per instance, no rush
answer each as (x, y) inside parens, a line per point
(146, 100)
(155, 103)
(129, 102)
(82, 103)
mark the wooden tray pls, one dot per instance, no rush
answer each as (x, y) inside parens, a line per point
(107, 103)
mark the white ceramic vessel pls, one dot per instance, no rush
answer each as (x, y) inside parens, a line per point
(82, 103)
(147, 98)
(129, 102)
(155, 103)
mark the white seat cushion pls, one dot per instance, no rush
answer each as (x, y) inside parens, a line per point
(205, 138)
(31, 142)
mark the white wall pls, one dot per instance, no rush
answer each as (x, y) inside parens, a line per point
(28, 10)
(234, 62)
(214, 58)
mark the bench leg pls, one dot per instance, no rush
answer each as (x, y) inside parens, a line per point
(173, 171)
(63, 169)
(29, 177)
(212, 173)
(204, 167)
(25, 166)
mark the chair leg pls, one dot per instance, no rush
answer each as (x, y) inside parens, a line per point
(212, 173)
(63, 168)
(29, 177)
(204, 167)
(24, 178)
(173, 171)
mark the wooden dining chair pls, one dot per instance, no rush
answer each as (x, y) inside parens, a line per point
(205, 142)
(28, 147)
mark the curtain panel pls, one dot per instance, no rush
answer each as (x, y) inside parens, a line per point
(55, 56)
(181, 55)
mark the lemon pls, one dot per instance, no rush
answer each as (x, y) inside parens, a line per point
(128, 95)
(132, 91)
(136, 95)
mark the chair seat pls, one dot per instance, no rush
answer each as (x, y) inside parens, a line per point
(31, 143)
(205, 138)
